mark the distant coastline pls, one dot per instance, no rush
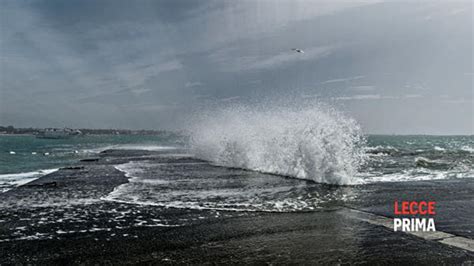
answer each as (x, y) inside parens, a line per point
(10, 130)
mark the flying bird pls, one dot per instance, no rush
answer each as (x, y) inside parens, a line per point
(298, 50)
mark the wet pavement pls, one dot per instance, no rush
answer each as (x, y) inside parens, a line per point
(63, 218)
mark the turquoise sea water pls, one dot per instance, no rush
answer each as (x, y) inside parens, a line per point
(25, 157)
(390, 158)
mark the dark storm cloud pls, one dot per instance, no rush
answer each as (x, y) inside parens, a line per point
(147, 63)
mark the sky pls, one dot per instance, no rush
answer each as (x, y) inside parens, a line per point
(396, 67)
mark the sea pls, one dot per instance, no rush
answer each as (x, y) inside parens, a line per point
(248, 159)
(386, 158)
(24, 158)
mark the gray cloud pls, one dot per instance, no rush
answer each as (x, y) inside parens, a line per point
(233, 62)
(148, 63)
(342, 79)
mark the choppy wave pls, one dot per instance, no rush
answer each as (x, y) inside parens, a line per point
(418, 174)
(9, 181)
(467, 149)
(309, 142)
(427, 163)
(418, 160)
(380, 150)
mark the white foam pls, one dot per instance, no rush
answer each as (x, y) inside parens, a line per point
(380, 148)
(308, 142)
(422, 161)
(437, 148)
(8, 181)
(468, 149)
(212, 192)
(419, 174)
(270, 206)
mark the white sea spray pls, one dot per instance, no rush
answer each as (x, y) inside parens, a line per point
(307, 142)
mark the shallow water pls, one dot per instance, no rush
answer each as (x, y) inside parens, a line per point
(189, 183)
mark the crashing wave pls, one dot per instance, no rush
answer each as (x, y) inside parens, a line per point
(381, 150)
(313, 143)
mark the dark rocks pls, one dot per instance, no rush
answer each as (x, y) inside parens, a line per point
(72, 168)
(90, 160)
(43, 185)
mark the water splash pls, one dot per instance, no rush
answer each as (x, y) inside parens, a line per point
(308, 142)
